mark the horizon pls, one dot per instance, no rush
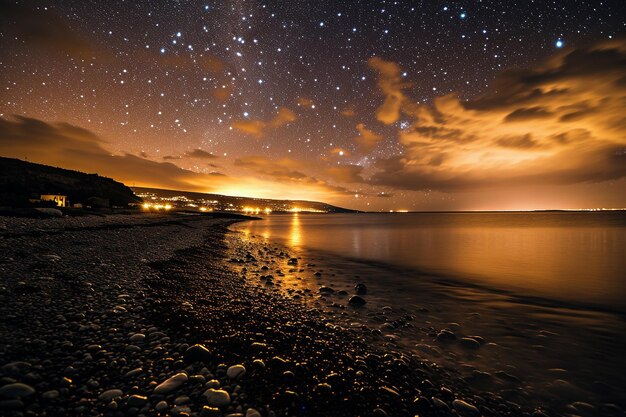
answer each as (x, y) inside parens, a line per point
(438, 107)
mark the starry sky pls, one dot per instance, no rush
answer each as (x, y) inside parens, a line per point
(373, 105)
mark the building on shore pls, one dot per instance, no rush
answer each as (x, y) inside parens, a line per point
(59, 200)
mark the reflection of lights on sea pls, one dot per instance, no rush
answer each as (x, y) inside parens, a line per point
(295, 234)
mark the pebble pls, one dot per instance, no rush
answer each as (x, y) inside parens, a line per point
(236, 371)
(217, 397)
(197, 353)
(111, 394)
(465, 409)
(161, 406)
(171, 384)
(469, 343)
(251, 412)
(355, 300)
(137, 401)
(360, 289)
(16, 390)
(50, 395)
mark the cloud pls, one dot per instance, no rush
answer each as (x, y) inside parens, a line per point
(367, 139)
(45, 30)
(563, 122)
(259, 127)
(288, 171)
(391, 85)
(199, 154)
(305, 102)
(72, 147)
(348, 112)
(345, 173)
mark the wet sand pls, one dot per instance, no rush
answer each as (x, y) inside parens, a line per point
(158, 315)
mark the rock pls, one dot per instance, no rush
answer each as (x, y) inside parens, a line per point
(161, 406)
(50, 395)
(137, 401)
(138, 337)
(171, 384)
(360, 289)
(326, 290)
(16, 390)
(197, 353)
(236, 371)
(465, 409)
(217, 397)
(355, 300)
(210, 412)
(251, 412)
(469, 343)
(110, 394)
(445, 336)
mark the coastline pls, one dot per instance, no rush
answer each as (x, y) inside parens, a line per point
(99, 312)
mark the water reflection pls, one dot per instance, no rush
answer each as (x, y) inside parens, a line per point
(295, 233)
(573, 256)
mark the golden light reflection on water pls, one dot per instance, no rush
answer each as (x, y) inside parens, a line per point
(577, 257)
(295, 232)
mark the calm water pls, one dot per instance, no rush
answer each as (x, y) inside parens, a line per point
(576, 257)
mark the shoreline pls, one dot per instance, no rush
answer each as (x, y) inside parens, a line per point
(95, 332)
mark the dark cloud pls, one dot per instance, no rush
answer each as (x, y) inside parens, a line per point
(44, 29)
(200, 154)
(68, 146)
(563, 122)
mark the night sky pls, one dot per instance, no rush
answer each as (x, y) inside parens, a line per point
(367, 104)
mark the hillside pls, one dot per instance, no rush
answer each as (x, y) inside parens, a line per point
(220, 202)
(21, 181)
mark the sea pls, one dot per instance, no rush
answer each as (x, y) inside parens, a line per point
(574, 257)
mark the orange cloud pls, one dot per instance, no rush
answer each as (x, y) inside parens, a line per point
(259, 127)
(560, 123)
(348, 112)
(305, 102)
(367, 139)
(345, 173)
(391, 85)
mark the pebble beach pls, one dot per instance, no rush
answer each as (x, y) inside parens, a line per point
(151, 315)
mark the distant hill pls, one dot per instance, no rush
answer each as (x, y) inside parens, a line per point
(229, 203)
(21, 181)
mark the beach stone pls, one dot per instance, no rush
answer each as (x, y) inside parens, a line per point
(355, 300)
(11, 405)
(217, 397)
(251, 412)
(465, 409)
(137, 401)
(197, 353)
(171, 384)
(210, 412)
(137, 337)
(360, 289)
(445, 336)
(111, 394)
(469, 343)
(236, 371)
(16, 390)
(326, 290)
(50, 395)
(161, 406)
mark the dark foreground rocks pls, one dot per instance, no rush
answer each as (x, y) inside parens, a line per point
(147, 316)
